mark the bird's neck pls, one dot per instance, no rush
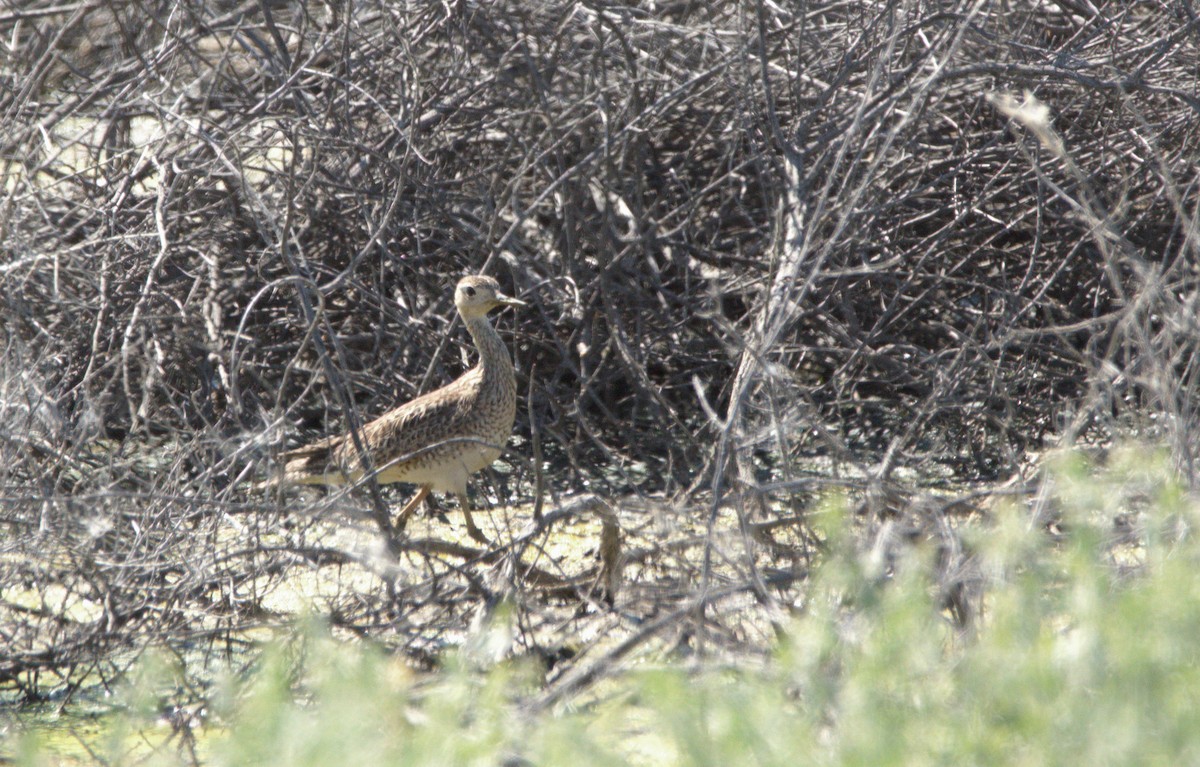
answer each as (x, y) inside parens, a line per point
(493, 356)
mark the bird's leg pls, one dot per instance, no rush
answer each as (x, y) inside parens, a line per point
(473, 531)
(410, 507)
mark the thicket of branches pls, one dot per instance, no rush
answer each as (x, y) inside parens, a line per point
(749, 234)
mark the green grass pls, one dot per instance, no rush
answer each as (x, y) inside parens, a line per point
(1085, 653)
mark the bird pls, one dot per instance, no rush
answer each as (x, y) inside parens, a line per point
(439, 439)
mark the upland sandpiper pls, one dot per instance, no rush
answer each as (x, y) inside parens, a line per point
(439, 439)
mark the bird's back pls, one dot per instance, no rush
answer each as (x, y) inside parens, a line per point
(438, 439)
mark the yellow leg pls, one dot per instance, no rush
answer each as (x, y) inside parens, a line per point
(473, 531)
(410, 507)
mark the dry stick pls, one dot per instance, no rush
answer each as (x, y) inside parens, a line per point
(535, 438)
(660, 105)
(1111, 243)
(607, 574)
(309, 332)
(379, 508)
(572, 683)
(784, 293)
(144, 296)
(769, 320)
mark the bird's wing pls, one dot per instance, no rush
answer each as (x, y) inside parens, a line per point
(427, 420)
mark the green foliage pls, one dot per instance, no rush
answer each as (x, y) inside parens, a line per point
(317, 701)
(1085, 653)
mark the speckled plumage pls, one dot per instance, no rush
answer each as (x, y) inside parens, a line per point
(439, 439)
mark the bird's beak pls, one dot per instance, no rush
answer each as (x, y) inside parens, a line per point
(504, 300)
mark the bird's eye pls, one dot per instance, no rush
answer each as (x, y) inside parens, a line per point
(470, 291)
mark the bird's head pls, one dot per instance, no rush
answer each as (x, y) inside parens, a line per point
(477, 295)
